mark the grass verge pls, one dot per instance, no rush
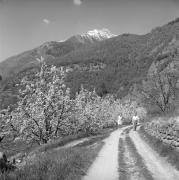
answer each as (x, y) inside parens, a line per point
(165, 150)
(64, 164)
(12, 148)
(94, 139)
(21, 149)
(122, 165)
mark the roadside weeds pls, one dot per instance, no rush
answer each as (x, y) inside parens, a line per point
(122, 165)
(64, 164)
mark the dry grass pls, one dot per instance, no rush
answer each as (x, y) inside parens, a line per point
(12, 148)
(64, 164)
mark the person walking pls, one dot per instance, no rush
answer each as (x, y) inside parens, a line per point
(135, 120)
(119, 120)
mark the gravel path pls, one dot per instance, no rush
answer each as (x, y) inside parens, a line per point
(138, 161)
(105, 167)
(159, 168)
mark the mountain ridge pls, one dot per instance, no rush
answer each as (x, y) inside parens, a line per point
(53, 48)
(123, 60)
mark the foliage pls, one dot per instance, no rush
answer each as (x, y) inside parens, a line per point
(94, 112)
(127, 109)
(141, 112)
(159, 90)
(46, 109)
(44, 105)
(159, 127)
(3, 120)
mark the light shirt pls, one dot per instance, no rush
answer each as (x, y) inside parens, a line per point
(119, 121)
(135, 118)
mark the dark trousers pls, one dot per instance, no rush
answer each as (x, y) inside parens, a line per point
(134, 126)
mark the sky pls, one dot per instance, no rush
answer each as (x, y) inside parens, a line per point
(26, 24)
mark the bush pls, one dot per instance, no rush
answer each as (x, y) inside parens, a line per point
(46, 109)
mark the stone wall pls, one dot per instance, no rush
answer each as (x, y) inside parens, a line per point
(166, 132)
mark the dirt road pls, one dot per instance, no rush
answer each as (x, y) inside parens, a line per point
(126, 156)
(105, 166)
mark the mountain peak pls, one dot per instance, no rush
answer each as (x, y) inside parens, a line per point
(100, 34)
(92, 36)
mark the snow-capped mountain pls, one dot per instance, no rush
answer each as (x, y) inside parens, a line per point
(99, 34)
(54, 49)
(92, 36)
(134, 56)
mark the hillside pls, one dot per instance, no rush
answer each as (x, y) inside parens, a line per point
(50, 51)
(111, 64)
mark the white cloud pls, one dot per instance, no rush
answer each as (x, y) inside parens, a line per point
(77, 2)
(46, 21)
